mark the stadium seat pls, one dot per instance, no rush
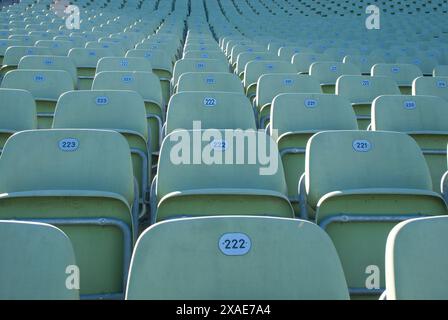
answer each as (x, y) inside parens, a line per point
(34, 264)
(13, 55)
(85, 61)
(241, 184)
(17, 113)
(123, 64)
(358, 185)
(362, 90)
(146, 84)
(245, 57)
(45, 85)
(363, 62)
(209, 81)
(121, 111)
(328, 72)
(403, 74)
(206, 267)
(94, 207)
(424, 119)
(440, 71)
(115, 48)
(302, 61)
(270, 85)
(416, 260)
(5, 44)
(295, 117)
(433, 86)
(58, 47)
(214, 110)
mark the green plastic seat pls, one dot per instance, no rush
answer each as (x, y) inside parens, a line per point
(431, 86)
(17, 113)
(85, 61)
(146, 84)
(424, 119)
(358, 185)
(161, 66)
(121, 111)
(197, 65)
(327, 73)
(270, 85)
(212, 110)
(35, 257)
(302, 61)
(240, 48)
(245, 57)
(241, 183)
(13, 55)
(417, 260)
(77, 41)
(82, 182)
(123, 64)
(5, 44)
(424, 63)
(403, 74)
(198, 54)
(362, 90)
(49, 63)
(440, 71)
(116, 48)
(287, 52)
(363, 62)
(58, 47)
(209, 81)
(189, 259)
(295, 117)
(255, 69)
(45, 85)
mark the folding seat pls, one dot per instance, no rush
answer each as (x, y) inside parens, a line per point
(425, 64)
(26, 39)
(237, 49)
(213, 82)
(146, 84)
(77, 41)
(255, 69)
(161, 65)
(358, 185)
(214, 110)
(95, 207)
(5, 44)
(123, 64)
(45, 85)
(416, 260)
(245, 57)
(115, 48)
(208, 263)
(295, 117)
(216, 55)
(201, 47)
(327, 73)
(241, 183)
(14, 54)
(85, 61)
(286, 53)
(363, 62)
(35, 259)
(440, 71)
(41, 35)
(270, 85)
(122, 111)
(58, 47)
(41, 62)
(17, 113)
(303, 61)
(362, 90)
(403, 74)
(424, 119)
(197, 65)
(433, 86)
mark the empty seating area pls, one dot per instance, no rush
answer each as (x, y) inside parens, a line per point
(222, 149)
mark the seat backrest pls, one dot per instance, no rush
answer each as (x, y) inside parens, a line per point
(17, 110)
(411, 278)
(296, 112)
(198, 65)
(440, 71)
(270, 85)
(215, 110)
(158, 58)
(206, 266)
(403, 74)
(255, 69)
(327, 72)
(411, 114)
(15, 53)
(213, 81)
(363, 62)
(116, 48)
(46, 156)
(6, 43)
(147, 84)
(302, 61)
(364, 89)
(35, 259)
(42, 84)
(123, 111)
(346, 160)
(234, 167)
(123, 64)
(197, 54)
(58, 47)
(245, 57)
(433, 86)
(88, 58)
(49, 63)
